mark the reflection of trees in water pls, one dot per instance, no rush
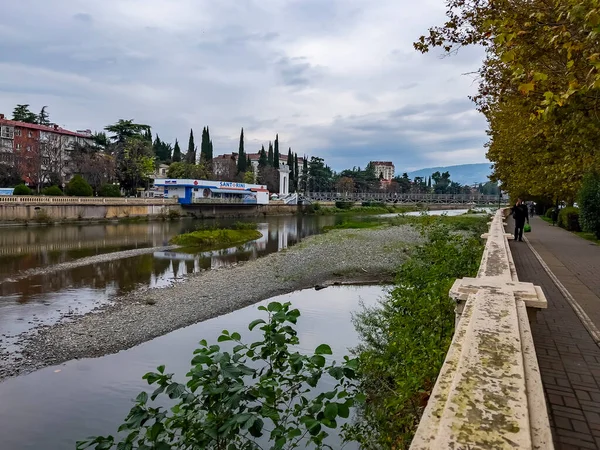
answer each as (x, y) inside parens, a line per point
(123, 275)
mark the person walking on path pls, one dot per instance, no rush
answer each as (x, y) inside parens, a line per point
(520, 213)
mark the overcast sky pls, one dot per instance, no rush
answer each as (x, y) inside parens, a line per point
(335, 78)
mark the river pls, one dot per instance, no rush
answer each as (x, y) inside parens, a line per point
(53, 407)
(38, 284)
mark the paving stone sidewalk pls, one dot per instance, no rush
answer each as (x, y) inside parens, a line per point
(568, 357)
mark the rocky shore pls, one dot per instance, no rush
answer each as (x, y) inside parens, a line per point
(339, 256)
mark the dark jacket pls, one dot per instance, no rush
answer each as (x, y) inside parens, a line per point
(520, 212)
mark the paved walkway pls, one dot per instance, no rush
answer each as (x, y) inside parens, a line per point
(568, 356)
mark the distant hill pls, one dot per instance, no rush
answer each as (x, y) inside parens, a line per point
(463, 174)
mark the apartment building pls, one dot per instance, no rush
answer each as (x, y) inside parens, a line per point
(38, 149)
(384, 169)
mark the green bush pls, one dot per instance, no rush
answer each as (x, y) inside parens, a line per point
(568, 218)
(589, 204)
(233, 396)
(316, 206)
(78, 187)
(548, 213)
(53, 191)
(344, 205)
(403, 342)
(21, 189)
(109, 190)
(365, 204)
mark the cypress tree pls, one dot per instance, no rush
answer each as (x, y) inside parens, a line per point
(276, 153)
(263, 161)
(241, 161)
(249, 164)
(296, 171)
(190, 157)
(270, 155)
(290, 164)
(176, 152)
(305, 174)
(429, 182)
(210, 147)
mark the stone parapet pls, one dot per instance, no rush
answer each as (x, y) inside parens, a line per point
(489, 393)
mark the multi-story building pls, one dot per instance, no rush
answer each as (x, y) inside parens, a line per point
(39, 150)
(383, 169)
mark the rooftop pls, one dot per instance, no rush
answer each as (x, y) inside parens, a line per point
(382, 163)
(49, 129)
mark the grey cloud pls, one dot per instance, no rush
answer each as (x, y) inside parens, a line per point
(83, 17)
(271, 66)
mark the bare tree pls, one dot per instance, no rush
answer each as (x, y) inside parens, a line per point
(95, 166)
(224, 168)
(54, 149)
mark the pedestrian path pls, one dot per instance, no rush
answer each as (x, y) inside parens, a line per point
(568, 354)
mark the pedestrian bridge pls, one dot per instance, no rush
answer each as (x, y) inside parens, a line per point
(489, 392)
(408, 199)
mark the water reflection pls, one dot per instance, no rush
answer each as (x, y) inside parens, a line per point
(53, 407)
(26, 301)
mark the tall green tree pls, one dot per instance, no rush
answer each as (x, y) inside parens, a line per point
(296, 172)
(124, 129)
(44, 117)
(290, 164)
(270, 156)
(148, 135)
(263, 160)
(206, 148)
(135, 163)
(190, 156)
(22, 113)
(276, 152)
(304, 178)
(249, 167)
(176, 152)
(162, 150)
(241, 160)
(101, 140)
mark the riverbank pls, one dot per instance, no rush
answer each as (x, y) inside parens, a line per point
(339, 256)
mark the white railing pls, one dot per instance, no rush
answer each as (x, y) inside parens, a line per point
(30, 199)
(489, 392)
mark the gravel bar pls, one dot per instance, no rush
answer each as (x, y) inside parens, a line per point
(339, 256)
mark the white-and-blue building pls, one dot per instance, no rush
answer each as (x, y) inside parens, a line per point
(189, 191)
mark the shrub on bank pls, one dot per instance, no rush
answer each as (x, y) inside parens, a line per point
(568, 218)
(212, 239)
(53, 191)
(343, 204)
(548, 213)
(109, 190)
(78, 187)
(405, 340)
(589, 204)
(21, 189)
(233, 397)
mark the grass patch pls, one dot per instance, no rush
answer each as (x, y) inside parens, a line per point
(587, 236)
(216, 238)
(355, 224)
(317, 210)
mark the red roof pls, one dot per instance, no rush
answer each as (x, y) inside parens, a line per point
(382, 163)
(35, 126)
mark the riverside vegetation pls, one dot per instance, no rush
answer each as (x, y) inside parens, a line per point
(213, 238)
(227, 402)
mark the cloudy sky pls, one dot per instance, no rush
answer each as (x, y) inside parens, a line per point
(335, 78)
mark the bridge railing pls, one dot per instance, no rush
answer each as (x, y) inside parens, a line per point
(489, 391)
(30, 199)
(405, 198)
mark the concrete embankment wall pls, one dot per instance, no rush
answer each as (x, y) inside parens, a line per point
(224, 211)
(57, 213)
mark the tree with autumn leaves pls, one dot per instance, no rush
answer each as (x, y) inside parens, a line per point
(539, 88)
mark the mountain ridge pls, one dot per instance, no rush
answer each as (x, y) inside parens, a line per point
(460, 173)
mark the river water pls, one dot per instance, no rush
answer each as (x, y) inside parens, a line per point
(38, 284)
(53, 407)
